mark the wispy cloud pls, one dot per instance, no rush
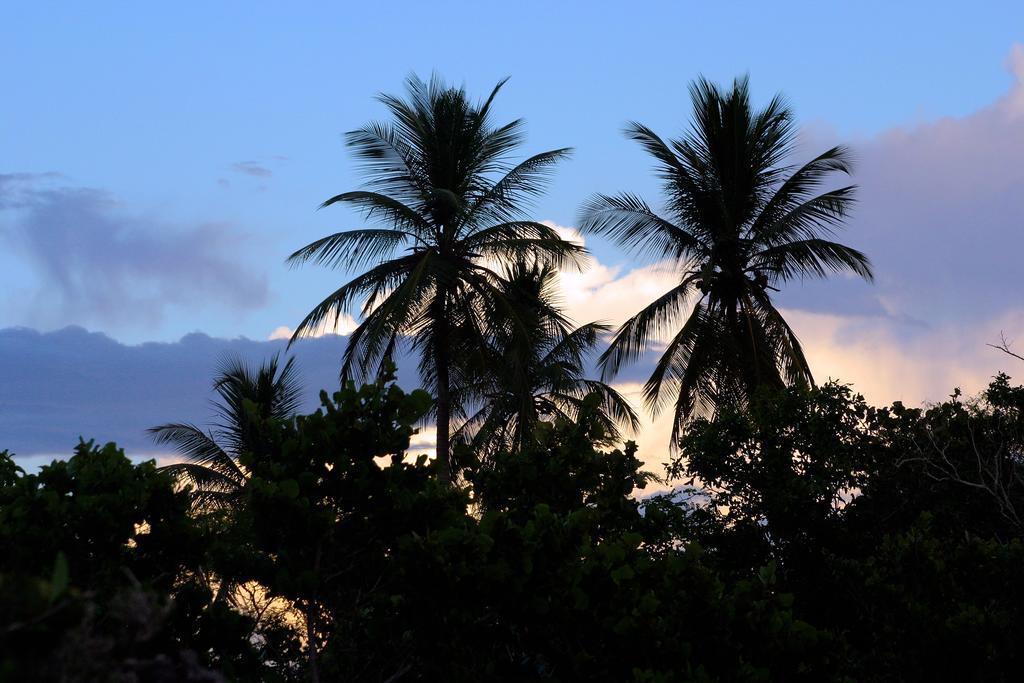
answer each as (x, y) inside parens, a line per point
(252, 168)
(259, 169)
(98, 262)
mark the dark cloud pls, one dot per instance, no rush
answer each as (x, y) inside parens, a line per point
(941, 214)
(252, 168)
(60, 385)
(15, 188)
(98, 263)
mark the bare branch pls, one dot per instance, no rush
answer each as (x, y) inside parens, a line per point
(1004, 346)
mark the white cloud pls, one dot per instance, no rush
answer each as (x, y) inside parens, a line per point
(344, 326)
(887, 364)
(608, 293)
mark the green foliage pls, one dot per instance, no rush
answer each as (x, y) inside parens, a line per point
(100, 576)
(820, 539)
(552, 579)
(563, 470)
(896, 529)
(332, 500)
(786, 466)
(102, 514)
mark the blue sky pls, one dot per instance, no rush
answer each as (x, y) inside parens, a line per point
(157, 164)
(155, 106)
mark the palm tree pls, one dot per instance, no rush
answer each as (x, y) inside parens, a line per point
(738, 222)
(538, 376)
(248, 397)
(448, 204)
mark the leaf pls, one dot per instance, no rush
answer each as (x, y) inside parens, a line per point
(289, 488)
(59, 580)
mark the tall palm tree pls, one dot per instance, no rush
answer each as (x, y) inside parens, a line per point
(448, 204)
(248, 396)
(538, 376)
(738, 222)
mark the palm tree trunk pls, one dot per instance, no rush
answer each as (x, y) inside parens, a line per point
(442, 359)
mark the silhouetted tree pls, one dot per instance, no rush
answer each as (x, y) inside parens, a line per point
(100, 578)
(739, 222)
(897, 529)
(540, 375)
(451, 203)
(832, 541)
(248, 396)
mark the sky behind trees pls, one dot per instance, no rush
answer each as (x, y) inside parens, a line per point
(157, 167)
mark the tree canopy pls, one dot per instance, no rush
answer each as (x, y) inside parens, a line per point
(449, 202)
(828, 540)
(739, 223)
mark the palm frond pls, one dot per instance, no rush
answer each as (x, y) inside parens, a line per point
(503, 201)
(800, 186)
(810, 257)
(204, 479)
(651, 323)
(197, 446)
(814, 218)
(371, 285)
(670, 367)
(352, 248)
(389, 161)
(794, 363)
(394, 316)
(573, 347)
(389, 210)
(614, 405)
(628, 220)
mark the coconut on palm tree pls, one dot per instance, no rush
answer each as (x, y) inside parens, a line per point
(738, 222)
(446, 203)
(539, 376)
(248, 397)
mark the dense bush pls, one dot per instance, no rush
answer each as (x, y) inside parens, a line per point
(828, 540)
